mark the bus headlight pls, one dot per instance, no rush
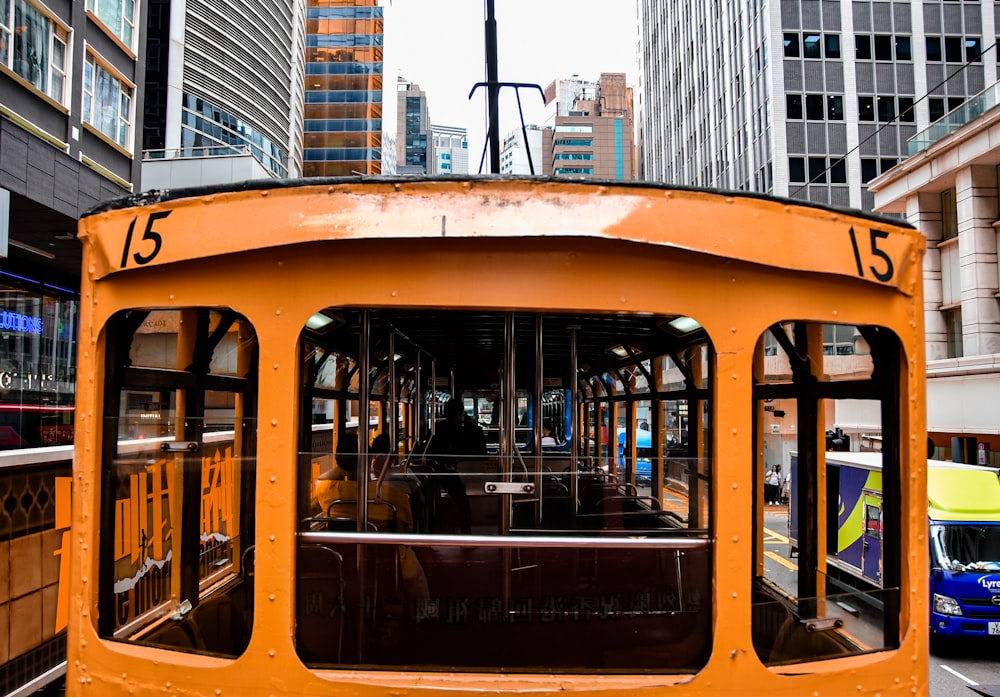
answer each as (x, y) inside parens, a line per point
(946, 606)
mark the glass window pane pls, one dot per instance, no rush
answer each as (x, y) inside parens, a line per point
(817, 170)
(863, 47)
(162, 468)
(835, 105)
(838, 172)
(435, 463)
(796, 169)
(866, 108)
(811, 46)
(793, 107)
(791, 43)
(906, 111)
(832, 47)
(903, 48)
(933, 44)
(886, 108)
(814, 107)
(883, 47)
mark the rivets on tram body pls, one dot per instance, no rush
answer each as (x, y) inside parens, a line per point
(271, 653)
(271, 538)
(275, 366)
(277, 312)
(274, 422)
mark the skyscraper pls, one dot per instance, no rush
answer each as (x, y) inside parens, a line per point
(345, 116)
(224, 79)
(802, 98)
(594, 136)
(451, 149)
(414, 144)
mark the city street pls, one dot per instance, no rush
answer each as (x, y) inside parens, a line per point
(954, 666)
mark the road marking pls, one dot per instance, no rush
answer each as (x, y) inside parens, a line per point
(958, 675)
(781, 560)
(773, 538)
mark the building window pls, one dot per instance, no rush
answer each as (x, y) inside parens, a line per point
(838, 340)
(793, 106)
(953, 328)
(903, 48)
(107, 102)
(835, 107)
(817, 170)
(811, 46)
(906, 109)
(869, 169)
(949, 215)
(863, 47)
(33, 46)
(838, 172)
(959, 50)
(933, 44)
(883, 47)
(936, 107)
(796, 170)
(866, 108)
(116, 15)
(886, 108)
(791, 45)
(832, 45)
(973, 50)
(814, 107)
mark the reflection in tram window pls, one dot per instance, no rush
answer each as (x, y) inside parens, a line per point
(180, 580)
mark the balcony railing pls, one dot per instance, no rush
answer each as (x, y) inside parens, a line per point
(949, 123)
(268, 163)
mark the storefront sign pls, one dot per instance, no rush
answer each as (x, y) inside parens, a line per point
(15, 321)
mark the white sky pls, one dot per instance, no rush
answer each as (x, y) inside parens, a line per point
(439, 44)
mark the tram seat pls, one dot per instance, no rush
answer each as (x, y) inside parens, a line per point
(382, 515)
(321, 606)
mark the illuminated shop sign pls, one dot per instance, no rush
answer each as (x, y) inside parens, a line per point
(15, 321)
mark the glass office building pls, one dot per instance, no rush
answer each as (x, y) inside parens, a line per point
(343, 92)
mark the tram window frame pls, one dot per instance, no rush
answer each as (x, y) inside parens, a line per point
(617, 525)
(178, 458)
(799, 385)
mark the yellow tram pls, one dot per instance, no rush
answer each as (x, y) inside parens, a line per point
(484, 435)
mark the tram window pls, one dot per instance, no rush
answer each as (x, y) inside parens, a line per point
(838, 576)
(179, 464)
(589, 499)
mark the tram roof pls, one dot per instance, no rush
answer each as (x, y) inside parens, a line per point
(154, 196)
(753, 227)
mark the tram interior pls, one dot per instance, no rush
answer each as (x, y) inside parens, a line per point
(539, 491)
